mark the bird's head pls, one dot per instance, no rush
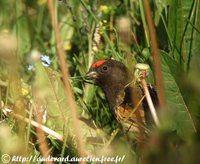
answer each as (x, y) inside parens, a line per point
(109, 73)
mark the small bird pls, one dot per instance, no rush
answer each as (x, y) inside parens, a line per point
(118, 85)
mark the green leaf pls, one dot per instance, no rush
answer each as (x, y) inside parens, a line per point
(160, 6)
(180, 24)
(179, 118)
(51, 91)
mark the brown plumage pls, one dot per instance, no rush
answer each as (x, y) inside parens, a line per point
(117, 83)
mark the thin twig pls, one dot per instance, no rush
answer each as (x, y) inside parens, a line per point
(33, 123)
(149, 101)
(135, 108)
(37, 125)
(141, 72)
(141, 137)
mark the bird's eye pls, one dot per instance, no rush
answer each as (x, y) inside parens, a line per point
(105, 68)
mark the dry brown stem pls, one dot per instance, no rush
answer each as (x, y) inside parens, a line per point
(155, 54)
(65, 73)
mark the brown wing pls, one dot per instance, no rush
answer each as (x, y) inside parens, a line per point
(126, 115)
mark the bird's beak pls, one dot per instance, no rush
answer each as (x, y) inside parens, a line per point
(91, 75)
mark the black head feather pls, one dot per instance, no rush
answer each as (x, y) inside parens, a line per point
(112, 76)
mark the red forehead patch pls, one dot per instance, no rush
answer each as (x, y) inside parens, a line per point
(98, 63)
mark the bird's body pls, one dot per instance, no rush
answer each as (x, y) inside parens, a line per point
(117, 82)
